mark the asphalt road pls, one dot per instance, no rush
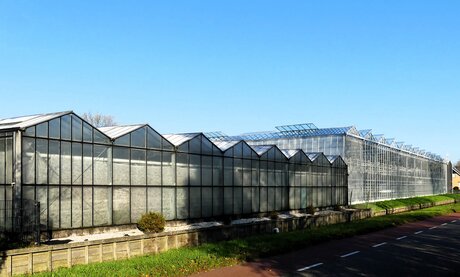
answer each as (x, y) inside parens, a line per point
(424, 248)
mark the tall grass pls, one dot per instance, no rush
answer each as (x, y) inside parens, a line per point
(398, 203)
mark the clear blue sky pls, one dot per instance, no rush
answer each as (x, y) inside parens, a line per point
(240, 66)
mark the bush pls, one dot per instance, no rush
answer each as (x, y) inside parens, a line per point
(151, 222)
(310, 210)
(273, 215)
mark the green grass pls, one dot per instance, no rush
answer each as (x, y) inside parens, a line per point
(185, 261)
(398, 203)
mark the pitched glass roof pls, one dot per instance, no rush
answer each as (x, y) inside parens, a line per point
(114, 132)
(289, 153)
(16, 123)
(178, 139)
(261, 149)
(332, 158)
(226, 144)
(313, 155)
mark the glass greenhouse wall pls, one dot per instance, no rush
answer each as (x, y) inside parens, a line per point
(85, 176)
(379, 168)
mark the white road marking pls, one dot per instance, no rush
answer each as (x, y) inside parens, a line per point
(400, 238)
(349, 254)
(453, 221)
(310, 266)
(434, 227)
(444, 224)
(380, 244)
(418, 232)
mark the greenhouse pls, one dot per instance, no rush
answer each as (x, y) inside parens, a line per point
(379, 168)
(81, 176)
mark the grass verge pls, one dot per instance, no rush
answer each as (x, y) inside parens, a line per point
(398, 203)
(185, 261)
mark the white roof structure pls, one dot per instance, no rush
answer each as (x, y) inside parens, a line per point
(16, 123)
(114, 132)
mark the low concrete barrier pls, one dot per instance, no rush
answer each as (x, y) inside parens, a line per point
(413, 207)
(49, 258)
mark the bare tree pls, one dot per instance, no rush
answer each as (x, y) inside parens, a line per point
(457, 165)
(99, 120)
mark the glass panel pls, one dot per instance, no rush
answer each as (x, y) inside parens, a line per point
(121, 205)
(271, 174)
(263, 173)
(207, 202)
(182, 169)
(42, 130)
(166, 144)
(217, 203)
(87, 164)
(53, 207)
(154, 199)
(28, 193)
(169, 205)
(195, 170)
(228, 171)
(124, 140)
(238, 172)
(55, 128)
(77, 172)
(41, 160)
(206, 147)
(2, 166)
(66, 207)
(195, 202)
(77, 208)
(42, 197)
(228, 200)
(76, 128)
(238, 150)
(247, 152)
(65, 162)
(168, 169)
(255, 200)
(247, 200)
(138, 203)
(255, 173)
(138, 138)
(247, 172)
(271, 199)
(138, 167)
(54, 162)
(154, 168)
(195, 145)
(102, 212)
(237, 200)
(87, 132)
(182, 202)
(263, 199)
(87, 206)
(99, 137)
(30, 131)
(65, 127)
(153, 139)
(101, 165)
(120, 166)
(28, 160)
(217, 171)
(206, 170)
(278, 198)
